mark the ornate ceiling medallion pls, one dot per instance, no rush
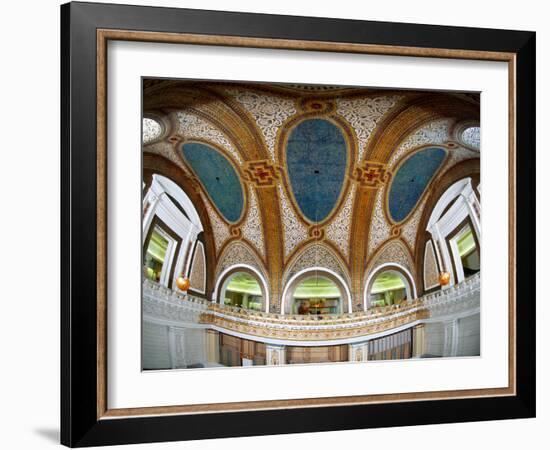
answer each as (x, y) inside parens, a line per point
(372, 174)
(469, 135)
(316, 106)
(153, 130)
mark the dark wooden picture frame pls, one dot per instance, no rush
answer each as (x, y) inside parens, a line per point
(85, 30)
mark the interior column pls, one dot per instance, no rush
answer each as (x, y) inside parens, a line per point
(213, 346)
(275, 355)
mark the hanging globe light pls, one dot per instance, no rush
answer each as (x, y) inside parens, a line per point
(183, 283)
(444, 278)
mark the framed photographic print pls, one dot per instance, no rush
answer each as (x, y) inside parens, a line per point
(282, 224)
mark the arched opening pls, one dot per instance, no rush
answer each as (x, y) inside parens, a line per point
(388, 288)
(171, 228)
(454, 225)
(317, 294)
(243, 289)
(316, 291)
(389, 284)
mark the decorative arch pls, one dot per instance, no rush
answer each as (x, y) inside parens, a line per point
(225, 276)
(403, 273)
(409, 115)
(239, 252)
(197, 271)
(177, 193)
(306, 273)
(393, 252)
(464, 169)
(315, 254)
(450, 194)
(157, 164)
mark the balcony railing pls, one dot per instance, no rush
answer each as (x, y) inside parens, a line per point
(164, 303)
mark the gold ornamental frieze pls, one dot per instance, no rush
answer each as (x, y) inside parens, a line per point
(309, 330)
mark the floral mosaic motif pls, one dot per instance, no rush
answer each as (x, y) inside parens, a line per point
(472, 136)
(339, 229)
(261, 173)
(220, 230)
(167, 151)
(371, 174)
(252, 227)
(316, 255)
(191, 126)
(269, 111)
(363, 114)
(459, 154)
(198, 270)
(393, 252)
(409, 230)
(436, 132)
(152, 130)
(431, 276)
(379, 228)
(294, 230)
(238, 253)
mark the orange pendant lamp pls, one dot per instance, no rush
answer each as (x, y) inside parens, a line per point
(183, 283)
(444, 278)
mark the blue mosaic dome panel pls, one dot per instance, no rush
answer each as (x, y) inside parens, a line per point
(316, 158)
(218, 177)
(411, 180)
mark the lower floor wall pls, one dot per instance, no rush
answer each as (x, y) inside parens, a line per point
(235, 351)
(305, 355)
(456, 337)
(168, 347)
(394, 346)
(154, 347)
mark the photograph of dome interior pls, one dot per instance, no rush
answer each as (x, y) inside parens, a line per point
(294, 224)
